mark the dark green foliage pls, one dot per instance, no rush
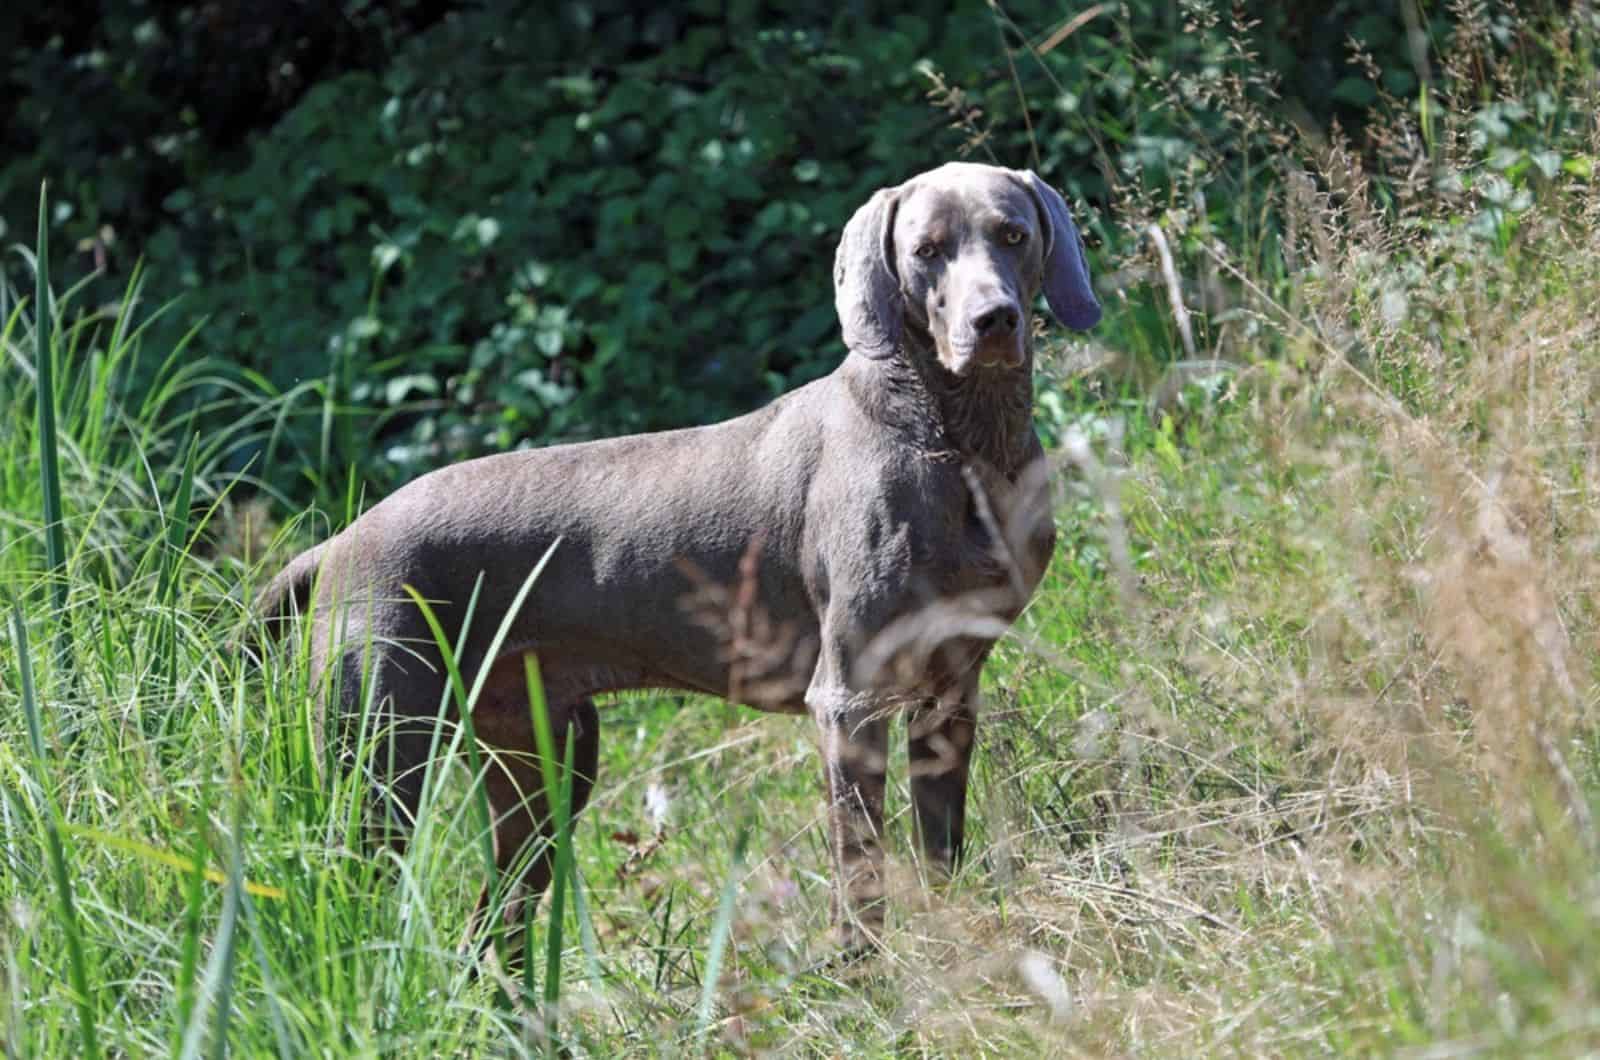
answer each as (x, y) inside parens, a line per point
(493, 242)
(459, 228)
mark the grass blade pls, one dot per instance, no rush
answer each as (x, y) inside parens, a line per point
(45, 402)
(720, 932)
(177, 526)
(587, 938)
(166, 857)
(665, 937)
(543, 734)
(554, 934)
(177, 541)
(270, 991)
(558, 796)
(544, 746)
(218, 982)
(77, 968)
(189, 947)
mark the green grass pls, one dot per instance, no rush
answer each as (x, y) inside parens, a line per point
(1294, 752)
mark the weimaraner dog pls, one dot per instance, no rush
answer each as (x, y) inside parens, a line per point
(878, 529)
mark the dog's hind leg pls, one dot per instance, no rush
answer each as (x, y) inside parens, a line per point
(389, 739)
(524, 827)
(400, 767)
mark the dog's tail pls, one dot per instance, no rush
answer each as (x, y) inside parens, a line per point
(286, 596)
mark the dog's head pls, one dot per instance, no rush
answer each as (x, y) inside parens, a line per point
(952, 260)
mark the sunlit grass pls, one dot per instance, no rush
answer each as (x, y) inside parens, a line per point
(1293, 752)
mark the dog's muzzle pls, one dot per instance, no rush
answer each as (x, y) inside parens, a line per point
(994, 337)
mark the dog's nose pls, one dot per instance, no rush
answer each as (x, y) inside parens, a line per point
(995, 320)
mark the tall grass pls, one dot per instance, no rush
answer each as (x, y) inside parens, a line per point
(1294, 752)
(49, 815)
(49, 471)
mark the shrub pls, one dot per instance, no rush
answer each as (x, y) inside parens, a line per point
(450, 230)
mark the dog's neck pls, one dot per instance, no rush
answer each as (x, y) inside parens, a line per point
(986, 415)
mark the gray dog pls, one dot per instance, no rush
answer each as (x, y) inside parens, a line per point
(853, 548)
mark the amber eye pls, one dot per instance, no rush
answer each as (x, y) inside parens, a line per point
(1014, 235)
(928, 250)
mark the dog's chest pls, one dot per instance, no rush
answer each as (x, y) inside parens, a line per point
(1000, 537)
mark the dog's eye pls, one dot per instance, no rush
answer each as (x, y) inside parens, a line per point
(1014, 235)
(928, 250)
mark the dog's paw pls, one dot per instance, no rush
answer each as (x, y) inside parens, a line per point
(855, 947)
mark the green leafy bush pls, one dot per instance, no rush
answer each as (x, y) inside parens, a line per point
(491, 242)
(451, 230)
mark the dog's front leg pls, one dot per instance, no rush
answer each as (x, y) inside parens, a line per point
(939, 746)
(854, 738)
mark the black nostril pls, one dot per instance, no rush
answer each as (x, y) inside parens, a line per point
(996, 320)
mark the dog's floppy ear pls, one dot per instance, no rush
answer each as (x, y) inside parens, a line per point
(1066, 270)
(866, 289)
